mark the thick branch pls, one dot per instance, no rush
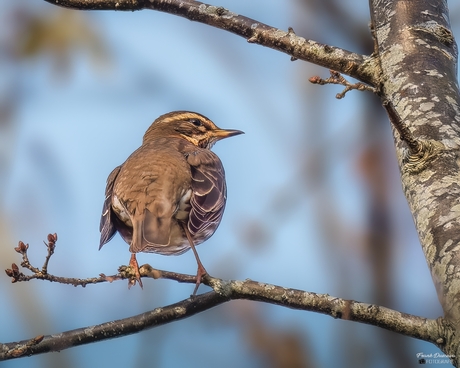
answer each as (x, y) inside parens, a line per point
(409, 325)
(419, 63)
(418, 57)
(406, 324)
(109, 330)
(358, 66)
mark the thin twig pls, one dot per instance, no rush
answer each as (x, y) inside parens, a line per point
(51, 245)
(124, 272)
(413, 144)
(337, 78)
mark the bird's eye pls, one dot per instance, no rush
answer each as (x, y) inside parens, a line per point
(196, 122)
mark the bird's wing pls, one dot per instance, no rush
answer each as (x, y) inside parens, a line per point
(106, 226)
(209, 191)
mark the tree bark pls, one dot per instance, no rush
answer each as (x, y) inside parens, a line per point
(418, 59)
(358, 66)
(225, 291)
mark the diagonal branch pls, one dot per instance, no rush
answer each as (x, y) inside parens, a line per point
(361, 67)
(109, 330)
(224, 291)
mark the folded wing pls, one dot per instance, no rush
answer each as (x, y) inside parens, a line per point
(106, 226)
(209, 193)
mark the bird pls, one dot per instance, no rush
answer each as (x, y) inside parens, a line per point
(170, 193)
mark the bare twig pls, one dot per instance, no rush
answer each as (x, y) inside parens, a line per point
(42, 274)
(420, 152)
(51, 245)
(413, 144)
(124, 272)
(350, 63)
(337, 78)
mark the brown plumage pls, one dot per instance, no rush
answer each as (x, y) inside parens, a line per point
(170, 194)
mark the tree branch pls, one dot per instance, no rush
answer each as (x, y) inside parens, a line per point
(109, 330)
(223, 291)
(361, 67)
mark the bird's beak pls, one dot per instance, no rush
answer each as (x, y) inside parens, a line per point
(225, 133)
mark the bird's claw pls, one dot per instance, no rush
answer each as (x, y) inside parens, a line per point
(137, 275)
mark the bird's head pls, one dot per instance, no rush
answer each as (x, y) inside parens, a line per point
(191, 126)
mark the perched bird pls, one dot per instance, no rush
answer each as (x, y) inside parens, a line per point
(170, 194)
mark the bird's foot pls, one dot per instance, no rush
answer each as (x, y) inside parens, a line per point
(137, 275)
(199, 275)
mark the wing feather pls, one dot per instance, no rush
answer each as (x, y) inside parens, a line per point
(106, 226)
(209, 191)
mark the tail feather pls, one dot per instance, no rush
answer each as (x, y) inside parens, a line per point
(150, 230)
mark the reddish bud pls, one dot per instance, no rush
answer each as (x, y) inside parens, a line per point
(21, 248)
(13, 272)
(52, 238)
(15, 268)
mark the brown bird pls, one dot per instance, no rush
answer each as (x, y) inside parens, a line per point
(170, 194)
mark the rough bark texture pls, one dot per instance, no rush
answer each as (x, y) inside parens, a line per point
(224, 291)
(418, 56)
(355, 65)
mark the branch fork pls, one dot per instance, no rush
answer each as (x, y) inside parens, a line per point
(420, 152)
(337, 78)
(222, 291)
